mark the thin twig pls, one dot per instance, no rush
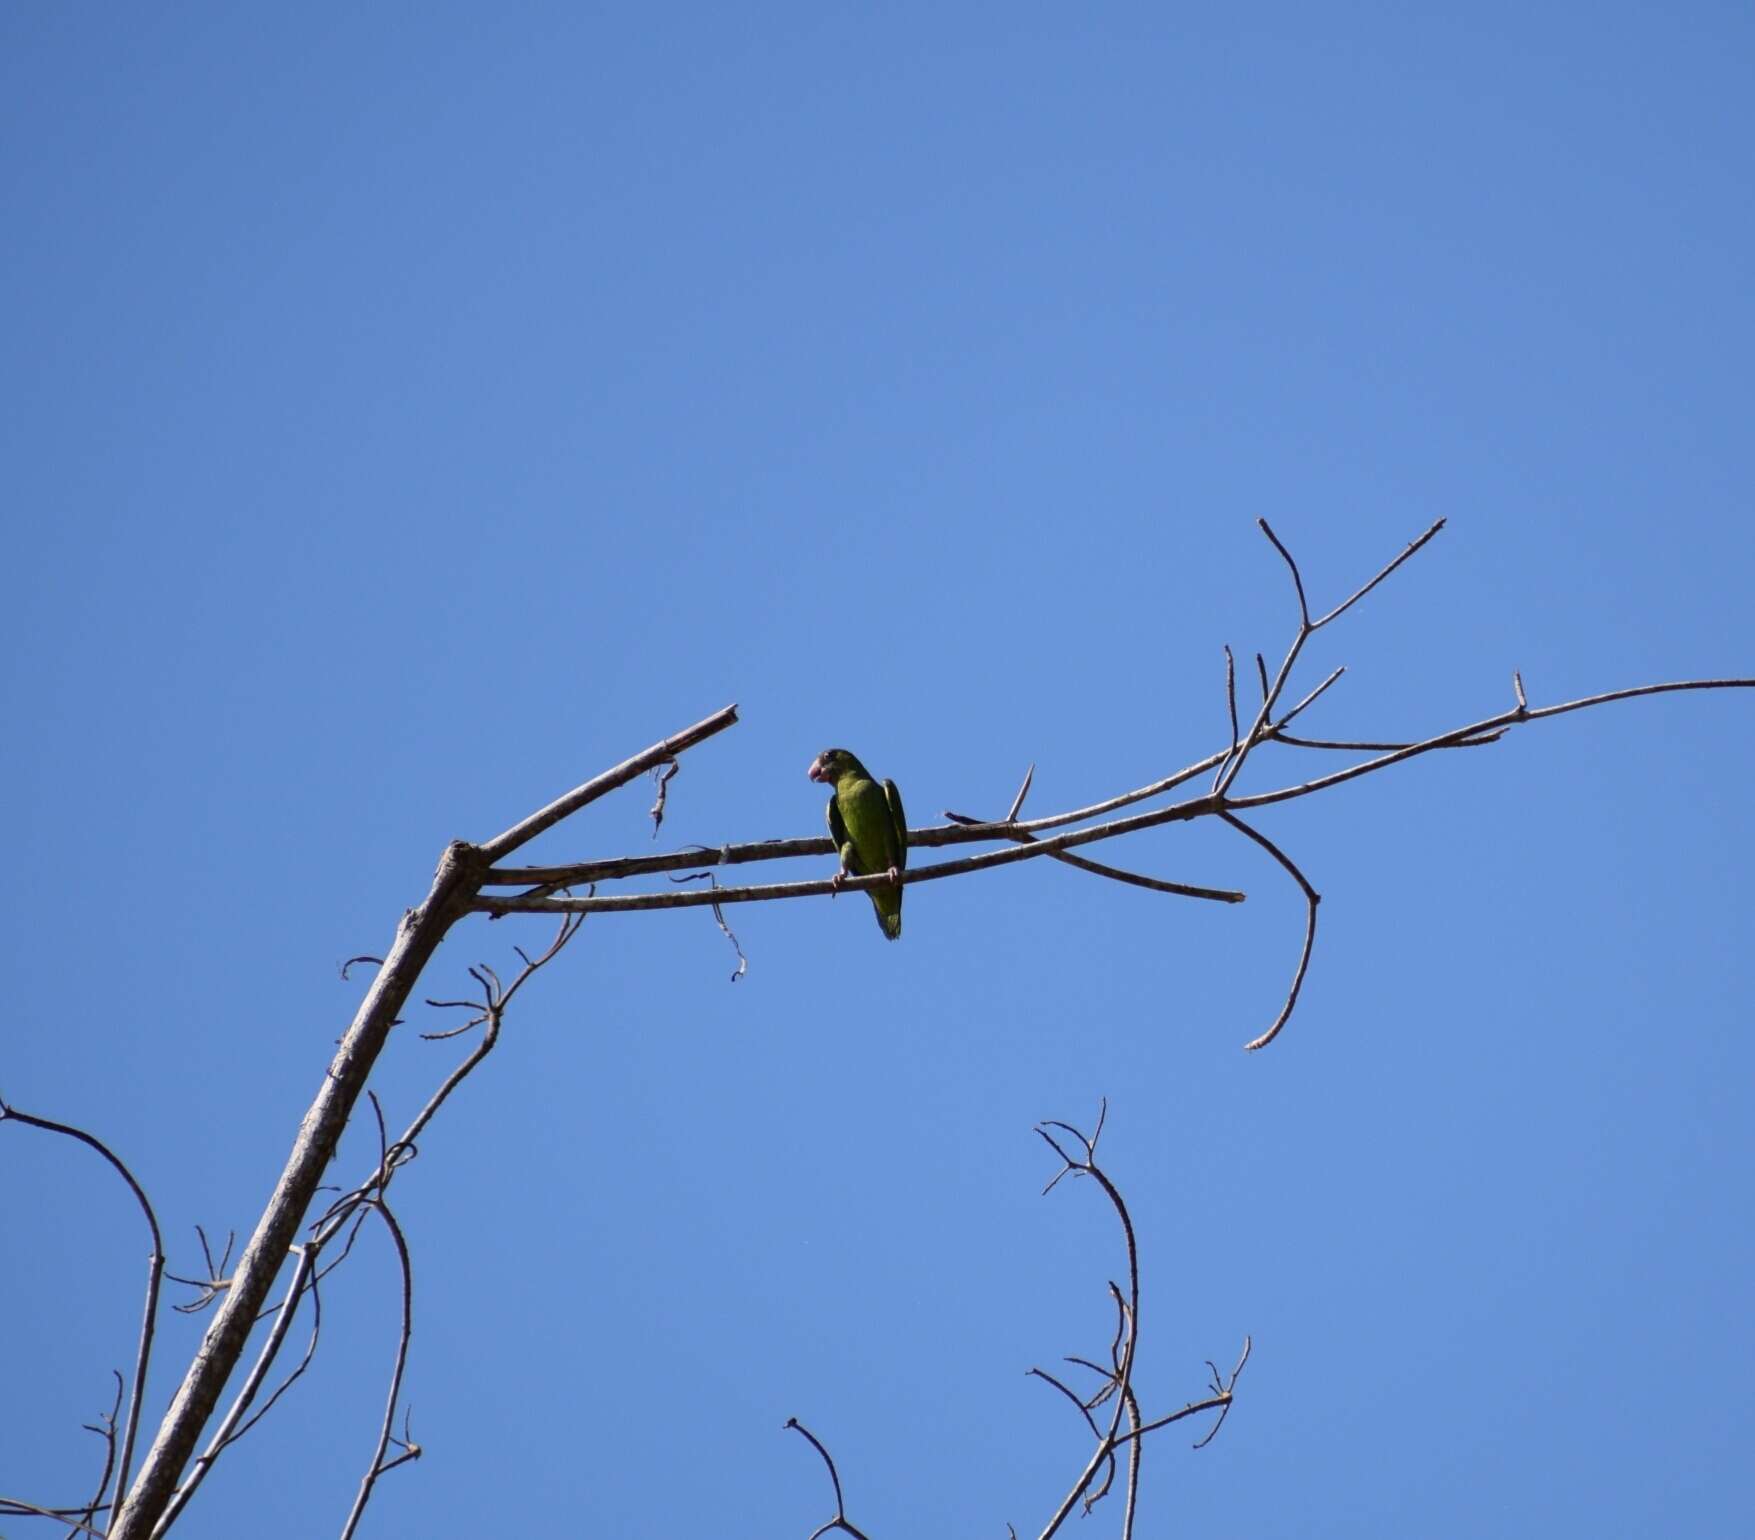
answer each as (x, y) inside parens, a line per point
(1306, 629)
(840, 1519)
(1311, 899)
(1365, 746)
(106, 1430)
(19, 1507)
(1118, 874)
(377, 1466)
(712, 881)
(526, 829)
(1231, 702)
(155, 1266)
(1459, 736)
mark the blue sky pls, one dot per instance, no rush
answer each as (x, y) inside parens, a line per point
(410, 412)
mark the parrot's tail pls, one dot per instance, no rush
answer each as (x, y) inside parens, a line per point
(887, 902)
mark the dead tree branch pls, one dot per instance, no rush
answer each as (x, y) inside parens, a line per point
(1116, 1378)
(1029, 839)
(448, 899)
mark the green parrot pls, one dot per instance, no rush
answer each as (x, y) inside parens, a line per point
(868, 828)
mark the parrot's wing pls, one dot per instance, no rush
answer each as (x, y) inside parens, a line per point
(898, 822)
(837, 826)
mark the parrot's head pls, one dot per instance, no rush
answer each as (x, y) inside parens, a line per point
(831, 765)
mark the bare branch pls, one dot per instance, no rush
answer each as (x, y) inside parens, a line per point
(18, 1507)
(1306, 629)
(1297, 581)
(1220, 1401)
(1231, 702)
(1308, 700)
(1459, 736)
(1118, 874)
(840, 1519)
(1066, 1390)
(457, 880)
(229, 1424)
(1362, 746)
(526, 829)
(377, 1466)
(105, 1428)
(1347, 604)
(1311, 899)
(155, 1266)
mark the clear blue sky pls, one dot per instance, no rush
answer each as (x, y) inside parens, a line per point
(411, 411)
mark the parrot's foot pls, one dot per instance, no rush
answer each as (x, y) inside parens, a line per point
(835, 884)
(895, 876)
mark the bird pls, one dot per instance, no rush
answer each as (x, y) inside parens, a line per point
(869, 829)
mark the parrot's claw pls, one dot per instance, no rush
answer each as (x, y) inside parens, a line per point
(895, 876)
(835, 884)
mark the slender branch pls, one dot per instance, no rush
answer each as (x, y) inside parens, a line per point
(840, 1519)
(1116, 1380)
(1136, 1451)
(1306, 629)
(377, 1466)
(1364, 746)
(18, 1507)
(1220, 1401)
(1231, 702)
(1459, 736)
(155, 1267)
(618, 868)
(1347, 604)
(526, 829)
(1311, 899)
(1118, 874)
(624, 902)
(1309, 700)
(1128, 1332)
(107, 1432)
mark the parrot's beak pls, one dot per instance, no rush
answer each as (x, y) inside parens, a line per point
(816, 769)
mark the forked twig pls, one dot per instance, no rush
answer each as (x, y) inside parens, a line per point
(1115, 1381)
(378, 1465)
(155, 1266)
(840, 1520)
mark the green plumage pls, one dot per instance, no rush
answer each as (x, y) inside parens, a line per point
(869, 829)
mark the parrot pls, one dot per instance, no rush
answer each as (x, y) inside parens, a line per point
(869, 830)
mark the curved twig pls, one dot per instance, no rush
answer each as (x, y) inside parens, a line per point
(840, 1520)
(1117, 874)
(1311, 899)
(377, 1466)
(154, 1273)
